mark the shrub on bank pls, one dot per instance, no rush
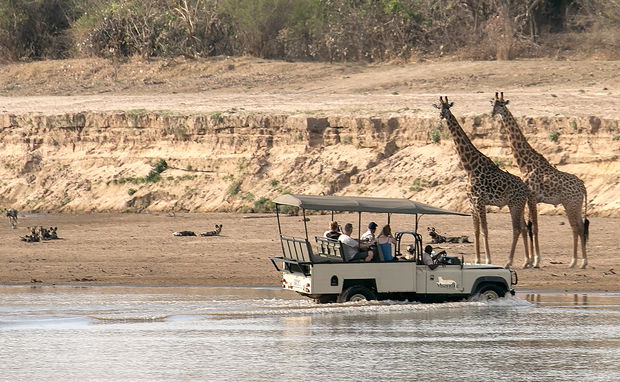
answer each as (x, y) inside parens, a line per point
(326, 30)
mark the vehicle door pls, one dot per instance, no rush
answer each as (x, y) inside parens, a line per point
(445, 279)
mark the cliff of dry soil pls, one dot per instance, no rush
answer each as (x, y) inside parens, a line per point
(234, 161)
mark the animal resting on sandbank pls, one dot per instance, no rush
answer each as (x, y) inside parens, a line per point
(216, 232)
(438, 239)
(38, 234)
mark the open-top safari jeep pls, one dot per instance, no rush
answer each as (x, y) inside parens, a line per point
(319, 269)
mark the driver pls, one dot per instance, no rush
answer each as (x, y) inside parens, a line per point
(429, 256)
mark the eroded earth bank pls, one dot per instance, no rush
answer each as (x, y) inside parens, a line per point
(234, 161)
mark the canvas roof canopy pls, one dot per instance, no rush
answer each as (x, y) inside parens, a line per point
(362, 204)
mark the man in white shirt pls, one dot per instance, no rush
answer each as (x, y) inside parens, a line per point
(428, 257)
(354, 250)
(369, 235)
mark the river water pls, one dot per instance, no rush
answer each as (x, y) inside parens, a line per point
(62, 333)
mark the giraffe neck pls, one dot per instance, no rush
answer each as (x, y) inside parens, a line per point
(473, 161)
(526, 157)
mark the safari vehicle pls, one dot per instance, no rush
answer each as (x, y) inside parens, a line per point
(319, 269)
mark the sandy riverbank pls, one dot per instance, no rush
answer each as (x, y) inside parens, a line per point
(139, 249)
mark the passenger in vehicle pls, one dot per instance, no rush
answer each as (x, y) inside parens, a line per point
(369, 236)
(385, 241)
(354, 250)
(333, 232)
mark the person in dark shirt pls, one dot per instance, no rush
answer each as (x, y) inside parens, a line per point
(334, 231)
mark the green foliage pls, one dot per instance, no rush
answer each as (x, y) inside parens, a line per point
(419, 184)
(152, 177)
(37, 28)
(264, 204)
(243, 164)
(554, 136)
(268, 28)
(616, 138)
(347, 140)
(274, 182)
(234, 188)
(500, 162)
(119, 28)
(217, 117)
(328, 30)
(181, 133)
(160, 166)
(573, 125)
(435, 135)
(132, 191)
(248, 197)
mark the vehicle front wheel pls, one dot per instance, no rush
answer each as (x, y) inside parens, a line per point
(357, 293)
(489, 292)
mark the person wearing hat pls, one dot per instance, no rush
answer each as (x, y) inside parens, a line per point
(369, 236)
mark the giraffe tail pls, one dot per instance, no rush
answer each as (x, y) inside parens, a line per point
(529, 229)
(586, 222)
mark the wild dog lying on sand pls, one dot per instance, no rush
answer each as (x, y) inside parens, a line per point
(218, 229)
(184, 233)
(437, 238)
(33, 237)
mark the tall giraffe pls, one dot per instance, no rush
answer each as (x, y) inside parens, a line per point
(488, 185)
(546, 184)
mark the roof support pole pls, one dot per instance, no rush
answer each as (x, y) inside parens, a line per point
(359, 225)
(278, 219)
(305, 222)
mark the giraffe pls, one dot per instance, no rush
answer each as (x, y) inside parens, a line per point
(488, 185)
(546, 184)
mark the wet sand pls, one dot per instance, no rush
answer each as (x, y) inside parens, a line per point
(139, 249)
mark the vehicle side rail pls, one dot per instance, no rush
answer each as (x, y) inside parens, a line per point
(296, 249)
(286, 265)
(330, 250)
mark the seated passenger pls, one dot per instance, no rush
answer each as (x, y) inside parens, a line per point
(334, 231)
(354, 250)
(369, 236)
(385, 241)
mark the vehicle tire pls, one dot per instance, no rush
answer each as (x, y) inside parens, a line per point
(357, 293)
(489, 292)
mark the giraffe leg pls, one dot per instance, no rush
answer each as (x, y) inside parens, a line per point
(574, 218)
(485, 232)
(518, 228)
(529, 256)
(534, 247)
(476, 220)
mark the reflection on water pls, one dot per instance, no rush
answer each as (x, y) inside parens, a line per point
(162, 334)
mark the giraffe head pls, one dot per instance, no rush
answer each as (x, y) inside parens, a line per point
(499, 104)
(444, 107)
